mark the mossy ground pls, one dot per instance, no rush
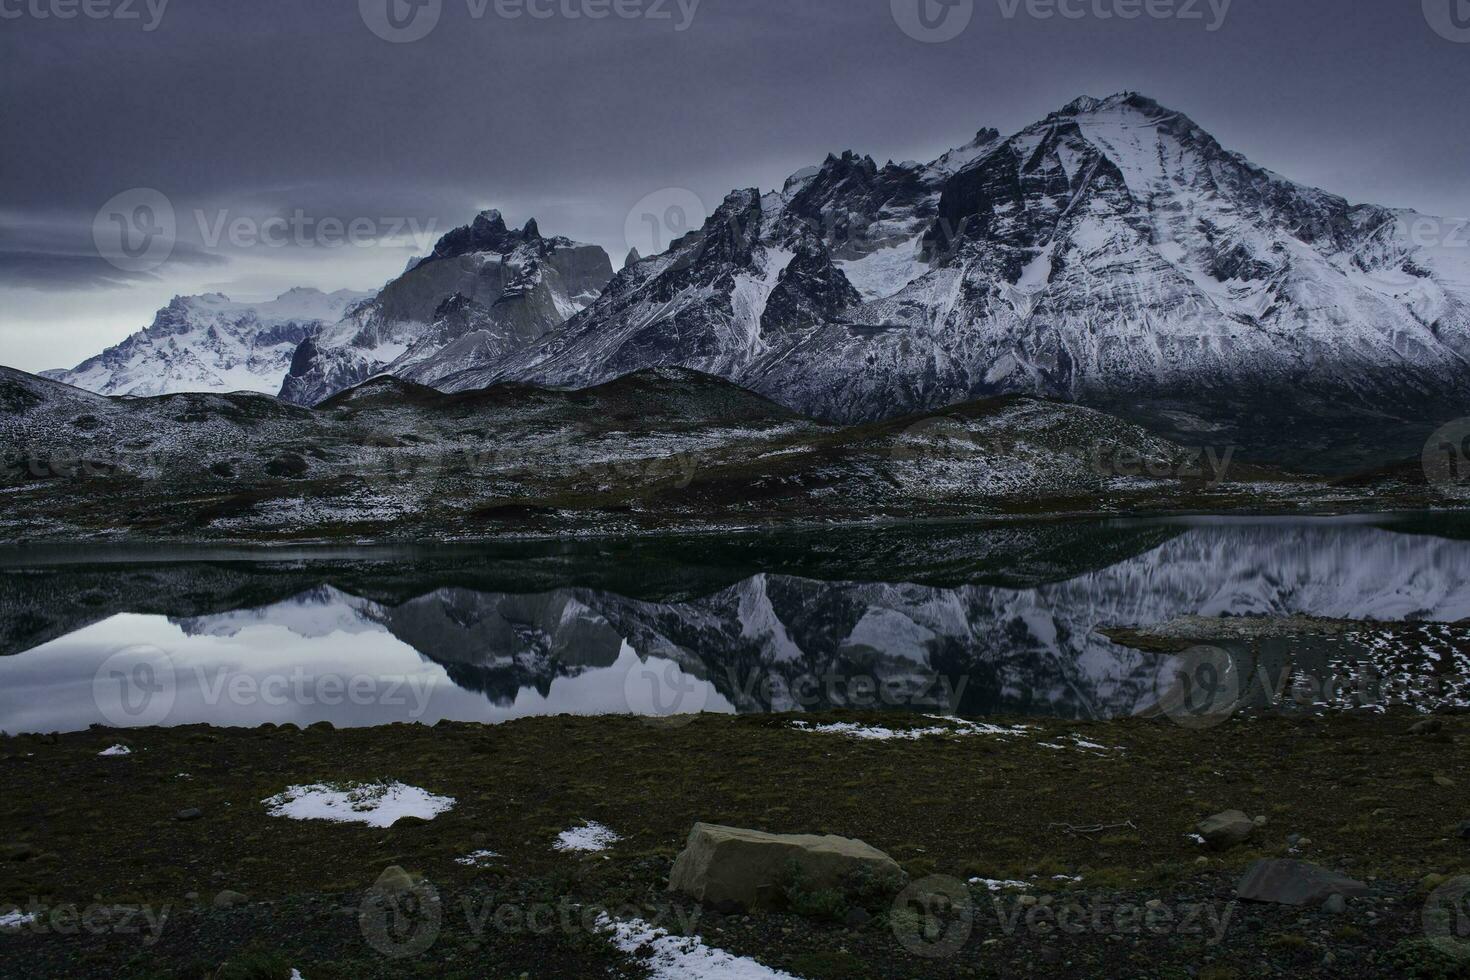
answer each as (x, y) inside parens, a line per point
(1372, 801)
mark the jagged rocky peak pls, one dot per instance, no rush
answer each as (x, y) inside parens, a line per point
(810, 291)
(732, 232)
(633, 258)
(487, 233)
(486, 291)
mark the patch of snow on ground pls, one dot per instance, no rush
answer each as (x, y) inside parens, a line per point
(377, 805)
(477, 859)
(872, 733)
(995, 884)
(879, 733)
(15, 920)
(591, 836)
(683, 958)
(115, 751)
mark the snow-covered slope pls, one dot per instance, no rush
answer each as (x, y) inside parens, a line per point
(1113, 253)
(210, 343)
(485, 292)
(1116, 249)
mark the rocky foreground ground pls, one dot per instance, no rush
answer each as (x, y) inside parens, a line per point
(1061, 848)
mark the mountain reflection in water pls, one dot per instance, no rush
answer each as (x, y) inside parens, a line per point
(232, 643)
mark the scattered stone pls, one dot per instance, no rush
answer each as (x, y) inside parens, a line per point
(1335, 905)
(394, 880)
(1445, 781)
(228, 899)
(727, 866)
(192, 813)
(1296, 883)
(1260, 821)
(1225, 830)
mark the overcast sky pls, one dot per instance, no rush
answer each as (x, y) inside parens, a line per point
(236, 112)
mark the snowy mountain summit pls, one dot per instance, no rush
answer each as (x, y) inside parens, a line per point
(1112, 253)
(211, 343)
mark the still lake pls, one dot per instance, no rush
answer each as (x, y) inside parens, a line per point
(935, 620)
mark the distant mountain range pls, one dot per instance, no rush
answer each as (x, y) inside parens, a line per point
(1112, 254)
(211, 343)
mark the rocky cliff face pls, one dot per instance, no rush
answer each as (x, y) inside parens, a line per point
(485, 292)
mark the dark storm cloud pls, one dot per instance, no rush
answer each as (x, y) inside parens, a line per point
(59, 255)
(268, 107)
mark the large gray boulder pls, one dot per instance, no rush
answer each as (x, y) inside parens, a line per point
(1225, 830)
(1295, 883)
(726, 866)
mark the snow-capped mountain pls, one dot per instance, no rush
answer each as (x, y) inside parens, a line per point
(486, 292)
(211, 343)
(1113, 253)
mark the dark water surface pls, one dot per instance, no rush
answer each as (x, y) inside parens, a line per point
(932, 620)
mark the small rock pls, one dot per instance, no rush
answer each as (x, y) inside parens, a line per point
(192, 813)
(1027, 901)
(1335, 905)
(395, 880)
(1260, 821)
(228, 899)
(1225, 830)
(1445, 781)
(1430, 726)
